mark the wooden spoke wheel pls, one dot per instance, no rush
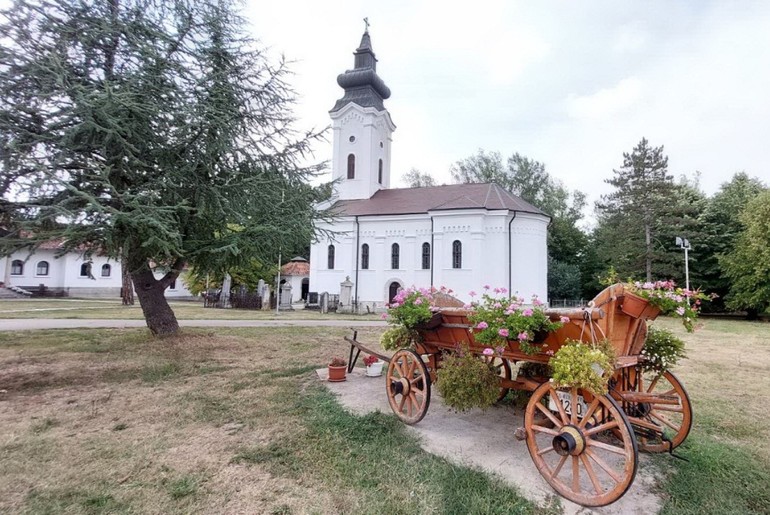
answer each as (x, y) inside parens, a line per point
(408, 386)
(662, 418)
(503, 369)
(587, 454)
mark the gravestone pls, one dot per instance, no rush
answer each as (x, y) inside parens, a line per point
(286, 297)
(346, 296)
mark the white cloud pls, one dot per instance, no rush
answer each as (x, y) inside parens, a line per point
(606, 103)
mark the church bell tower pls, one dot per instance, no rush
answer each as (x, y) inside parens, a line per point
(362, 128)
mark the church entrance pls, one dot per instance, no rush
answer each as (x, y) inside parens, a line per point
(305, 288)
(393, 290)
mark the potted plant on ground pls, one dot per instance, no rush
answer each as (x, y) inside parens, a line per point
(373, 366)
(338, 368)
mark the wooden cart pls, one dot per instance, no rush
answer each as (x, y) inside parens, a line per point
(585, 446)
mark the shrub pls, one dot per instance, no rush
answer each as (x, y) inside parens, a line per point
(662, 350)
(466, 381)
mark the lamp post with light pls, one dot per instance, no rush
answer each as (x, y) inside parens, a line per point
(684, 244)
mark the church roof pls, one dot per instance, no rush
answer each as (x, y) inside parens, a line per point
(401, 201)
(362, 85)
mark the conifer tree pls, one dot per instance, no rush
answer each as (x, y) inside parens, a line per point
(152, 131)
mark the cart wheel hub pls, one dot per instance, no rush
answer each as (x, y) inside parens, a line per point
(569, 441)
(404, 385)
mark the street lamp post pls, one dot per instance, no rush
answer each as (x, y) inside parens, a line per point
(684, 244)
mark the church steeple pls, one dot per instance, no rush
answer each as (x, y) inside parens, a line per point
(362, 128)
(362, 85)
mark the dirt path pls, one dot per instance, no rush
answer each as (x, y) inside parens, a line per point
(23, 324)
(484, 439)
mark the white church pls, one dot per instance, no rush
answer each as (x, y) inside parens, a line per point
(460, 236)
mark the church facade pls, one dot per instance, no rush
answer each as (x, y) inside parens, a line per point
(461, 236)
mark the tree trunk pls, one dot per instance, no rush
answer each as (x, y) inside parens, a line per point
(127, 289)
(158, 314)
(648, 252)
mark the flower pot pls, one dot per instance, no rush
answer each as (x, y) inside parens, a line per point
(337, 374)
(638, 307)
(375, 369)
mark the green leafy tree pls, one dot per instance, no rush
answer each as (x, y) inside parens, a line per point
(721, 224)
(154, 132)
(528, 179)
(414, 178)
(747, 265)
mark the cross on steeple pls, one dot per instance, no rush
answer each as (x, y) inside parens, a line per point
(366, 23)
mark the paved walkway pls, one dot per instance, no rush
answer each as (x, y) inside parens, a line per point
(22, 324)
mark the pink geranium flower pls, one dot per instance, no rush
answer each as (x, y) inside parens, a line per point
(482, 325)
(523, 336)
(564, 320)
(487, 351)
(503, 332)
(527, 312)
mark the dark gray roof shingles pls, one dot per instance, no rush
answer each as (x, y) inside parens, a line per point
(436, 198)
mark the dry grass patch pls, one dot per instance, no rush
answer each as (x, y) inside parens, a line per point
(111, 420)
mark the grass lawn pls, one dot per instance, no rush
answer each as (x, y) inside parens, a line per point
(233, 420)
(113, 310)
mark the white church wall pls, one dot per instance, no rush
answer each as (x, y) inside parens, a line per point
(484, 239)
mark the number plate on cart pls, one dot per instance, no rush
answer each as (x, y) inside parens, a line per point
(566, 402)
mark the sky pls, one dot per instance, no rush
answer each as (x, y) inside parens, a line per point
(571, 84)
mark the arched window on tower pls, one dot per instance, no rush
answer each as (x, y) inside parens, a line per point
(457, 254)
(379, 173)
(394, 255)
(330, 258)
(365, 256)
(426, 256)
(351, 166)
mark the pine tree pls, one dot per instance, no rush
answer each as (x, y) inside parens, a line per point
(633, 218)
(150, 131)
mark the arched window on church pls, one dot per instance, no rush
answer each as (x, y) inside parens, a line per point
(394, 255)
(379, 174)
(42, 268)
(106, 270)
(457, 254)
(330, 258)
(17, 267)
(365, 256)
(425, 256)
(351, 166)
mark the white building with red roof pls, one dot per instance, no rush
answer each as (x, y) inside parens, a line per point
(461, 236)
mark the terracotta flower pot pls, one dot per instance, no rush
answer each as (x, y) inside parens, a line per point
(337, 374)
(638, 307)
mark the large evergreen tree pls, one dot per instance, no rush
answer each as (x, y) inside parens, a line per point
(153, 131)
(639, 220)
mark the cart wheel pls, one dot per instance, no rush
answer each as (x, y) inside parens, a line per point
(581, 456)
(502, 368)
(408, 386)
(672, 414)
